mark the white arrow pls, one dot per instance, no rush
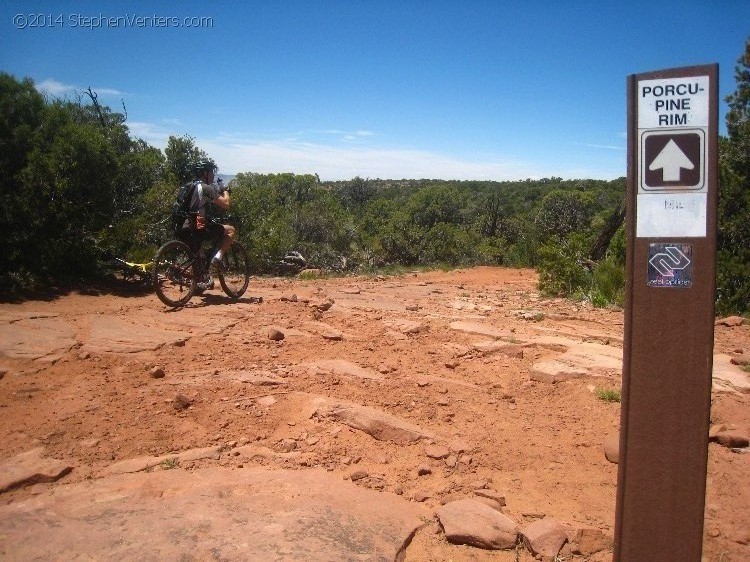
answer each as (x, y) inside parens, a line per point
(671, 159)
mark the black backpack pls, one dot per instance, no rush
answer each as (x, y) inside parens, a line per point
(181, 207)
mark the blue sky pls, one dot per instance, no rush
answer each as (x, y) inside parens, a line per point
(410, 89)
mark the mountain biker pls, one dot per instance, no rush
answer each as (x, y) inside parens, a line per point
(205, 192)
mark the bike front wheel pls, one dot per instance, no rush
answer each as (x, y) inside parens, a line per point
(175, 273)
(235, 271)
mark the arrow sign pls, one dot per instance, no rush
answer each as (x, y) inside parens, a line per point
(671, 160)
(669, 260)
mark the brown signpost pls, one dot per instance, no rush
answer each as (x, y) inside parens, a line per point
(669, 316)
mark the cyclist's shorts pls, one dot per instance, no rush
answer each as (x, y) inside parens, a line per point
(212, 232)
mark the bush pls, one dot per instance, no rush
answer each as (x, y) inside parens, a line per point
(561, 269)
(449, 244)
(732, 283)
(609, 284)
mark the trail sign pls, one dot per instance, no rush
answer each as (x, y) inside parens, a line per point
(668, 344)
(673, 161)
(672, 123)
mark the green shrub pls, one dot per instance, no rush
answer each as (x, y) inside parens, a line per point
(561, 269)
(449, 244)
(609, 284)
(608, 394)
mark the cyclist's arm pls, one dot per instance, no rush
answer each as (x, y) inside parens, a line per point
(223, 201)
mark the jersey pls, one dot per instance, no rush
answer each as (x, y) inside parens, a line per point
(203, 194)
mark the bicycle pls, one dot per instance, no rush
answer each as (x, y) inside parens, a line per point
(181, 269)
(130, 273)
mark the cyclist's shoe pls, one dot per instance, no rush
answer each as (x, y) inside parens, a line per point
(207, 283)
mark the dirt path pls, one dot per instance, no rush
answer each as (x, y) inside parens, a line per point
(429, 386)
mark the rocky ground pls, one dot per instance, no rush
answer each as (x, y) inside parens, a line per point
(389, 400)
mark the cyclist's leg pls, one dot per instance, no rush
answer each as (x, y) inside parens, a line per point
(221, 235)
(189, 237)
(227, 237)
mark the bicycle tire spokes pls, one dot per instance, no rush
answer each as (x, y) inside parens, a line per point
(180, 273)
(235, 274)
(174, 274)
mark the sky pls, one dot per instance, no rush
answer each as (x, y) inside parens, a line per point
(485, 90)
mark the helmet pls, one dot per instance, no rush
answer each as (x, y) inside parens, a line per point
(204, 164)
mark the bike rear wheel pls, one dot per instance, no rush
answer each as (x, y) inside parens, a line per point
(175, 273)
(235, 272)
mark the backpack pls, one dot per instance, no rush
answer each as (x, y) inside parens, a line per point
(181, 206)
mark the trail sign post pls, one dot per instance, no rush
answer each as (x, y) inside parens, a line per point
(669, 316)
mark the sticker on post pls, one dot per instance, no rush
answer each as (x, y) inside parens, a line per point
(670, 265)
(664, 215)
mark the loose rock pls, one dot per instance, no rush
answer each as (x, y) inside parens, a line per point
(612, 448)
(438, 452)
(358, 475)
(590, 541)
(275, 335)
(732, 439)
(731, 321)
(323, 306)
(491, 494)
(332, 336)
(715, 429)
(286, 445)
(475, 524)
(545, 537)
(181, 402)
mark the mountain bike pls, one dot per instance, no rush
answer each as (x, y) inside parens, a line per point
(182, 269)
(129, 273)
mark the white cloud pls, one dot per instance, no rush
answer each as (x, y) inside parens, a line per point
(108, 92)
(157, 134)
(339, 159)
(603, 146)
(154, 135)
(56, 88)
(345, 162)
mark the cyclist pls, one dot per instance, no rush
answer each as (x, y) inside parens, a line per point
(205, 192)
